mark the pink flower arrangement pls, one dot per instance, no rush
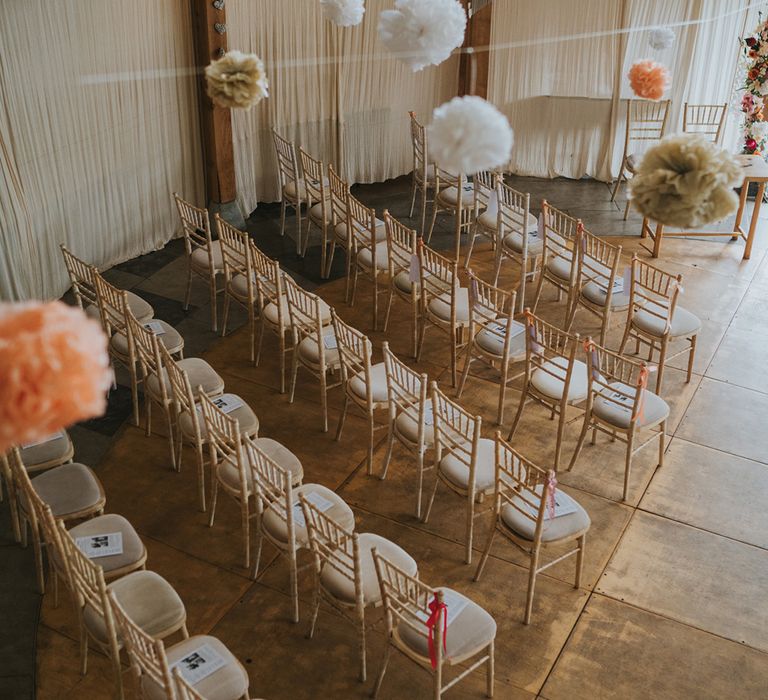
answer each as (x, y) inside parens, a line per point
(54, 370)
(747, 103)
(648, 79)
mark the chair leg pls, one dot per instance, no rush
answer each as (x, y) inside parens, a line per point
(384, 663)
(315, 607)
(539, 287)
(431, 498)
(628, 463)
(214, 498)
(490, 670)
(282, 216)
(212, 283)
(134, 392)
(662, 440)
(342, 417)
(626, 209)
(413, 197)
(297, 208)
(432, 224)
(415, 327)
(691, 356)
(424, 191)
(83, 646)
(534, 564)
(189, 285)
(294, 585)
(486, 551)
(225, 317)
(201, 476)
(371, 429)
(465, 372)
(470, 528)
(390, 446)
(389, 308)
(281, 342)
(246, 533)
(324, 399)
(420, 488)
(619, 180)
(502, 392)
(580, 561)
(453, 356)
(662, 360)
(294, 371)
(519, 413)
(560, 432)
(363, 669)
(582, 437)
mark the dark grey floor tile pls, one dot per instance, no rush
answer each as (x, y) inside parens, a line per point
(119, 407)
(90, 445)
(17, 687)
(120, 278)
(146, 265)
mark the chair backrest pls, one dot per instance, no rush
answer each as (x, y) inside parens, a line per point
(523, 487)
(361, 226)
(513, 210)
(419, 144)
(646, 122)
(401, 245)
(235, 254)
(598, 262)
(407, 390)
(438, 275)
(145, 343)
(484, 183)
(355, 351)
(181, 389)
(560, 233)
(705, 120)
(545, 342)
(146, 653)
(184, 691)
(333, 545)
(444, 180)
(81, 277)
(491, 309)
(457, 431)
(654, 291)
(287, 165)
(196, 227)
(305, 312)
(272, 484)
(339, 189)
(113, 305)
(314, 180)
(224, 437)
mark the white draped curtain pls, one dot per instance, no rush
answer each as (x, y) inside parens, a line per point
(99, 124)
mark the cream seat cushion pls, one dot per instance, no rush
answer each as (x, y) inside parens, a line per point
(514, 241)
(407, 424)
(441, 306)
(493, 341)
(200, 374)
(244, 415)
(450, 196)
(382, 256)
(199, 257)
(56, 451)
(276, 451)
(325, 313)
(552, 386)
(343, 588)
(70, 488)
(552, 528)
(596, 293)
(147, 598)
(316, 212)
(341, 231)
(654, 408)
(457, 471)
(141, 309)
(309, 350)
(133, 548)
(274, 524)
(632, 162)
(230, 682)
(378, 383)
(402, 281)
(489, 219)
(238, 285)
(290, 188)
(560, 266)
(270, 311)
(683, 323)
(469, 632)
(170, 338)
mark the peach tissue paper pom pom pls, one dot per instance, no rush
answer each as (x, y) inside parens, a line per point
(237, 80)
(54, 370)
(648, 79)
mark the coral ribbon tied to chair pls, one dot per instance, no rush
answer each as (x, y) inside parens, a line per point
(436, 609)
(642, 382)
(551, 491)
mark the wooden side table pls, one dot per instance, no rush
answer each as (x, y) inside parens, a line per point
(755, 170)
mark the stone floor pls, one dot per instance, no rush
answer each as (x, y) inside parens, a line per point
(672, 599)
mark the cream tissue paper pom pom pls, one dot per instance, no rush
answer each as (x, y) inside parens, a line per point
(343, 13)
(468, 134)
(686, 181)
(237, 80)
(425, 32)
(661, 38)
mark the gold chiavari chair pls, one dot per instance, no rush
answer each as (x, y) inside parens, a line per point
(423, 176)
(184, 690)
(364, 383)
(339, 189)
(318, 204)
(292, 190)
(280, 516)
(707, 121)
(314, 343)
(403, 264)
(52, 451)
(619, 404)
(534, 515)
(345, 574)
(485, 217)
(444, 302)
(463, 458)
(454, 194)
(494, 337)
(151, 662)
(519, 238)
(655, 318)
(598, 287)
(204, 257)
(646, 124)
(416, 612)
(409, 411)
(554, 377)
(561, 235)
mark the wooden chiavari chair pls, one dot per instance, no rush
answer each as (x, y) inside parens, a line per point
(534, 515)
(519, 238)
(485, 217)
(318, 204)
(403, 270)
(52, 451)
(707, 121)
(314, 343)
(409, 407)
(468, 630)
(554, 377)
(151, 662)
(655, 319)
(339, 189)
(454, 194)
(150, 601)
(561, 235)
(280, 516)
(598, 287)
(494, 337)
(619, 405)
(423, 176)
(444, 303)
(463, 459)
(646, 124)
(365, 384)
(345, 574)
(292, 190)
(204, 257)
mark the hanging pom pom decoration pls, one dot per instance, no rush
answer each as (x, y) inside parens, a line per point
(237, 80)
(54, 370)
(468, 134)
(649, 79)
(343, 13)
(423, 32)
(686, 181)
(661, 38)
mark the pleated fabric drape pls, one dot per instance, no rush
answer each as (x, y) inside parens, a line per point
(99, 124)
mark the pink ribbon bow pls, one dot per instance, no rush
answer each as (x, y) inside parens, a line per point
(551, 491)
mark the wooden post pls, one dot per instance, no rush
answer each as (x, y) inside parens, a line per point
(216, 122)
(478, 35)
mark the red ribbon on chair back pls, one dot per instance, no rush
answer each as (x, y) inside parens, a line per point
(551, 490)
(436, 609)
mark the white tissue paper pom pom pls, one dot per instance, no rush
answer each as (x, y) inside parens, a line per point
(468, 134)
(237, 80)
(425, 32)
(661, 38)
(343, 13)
